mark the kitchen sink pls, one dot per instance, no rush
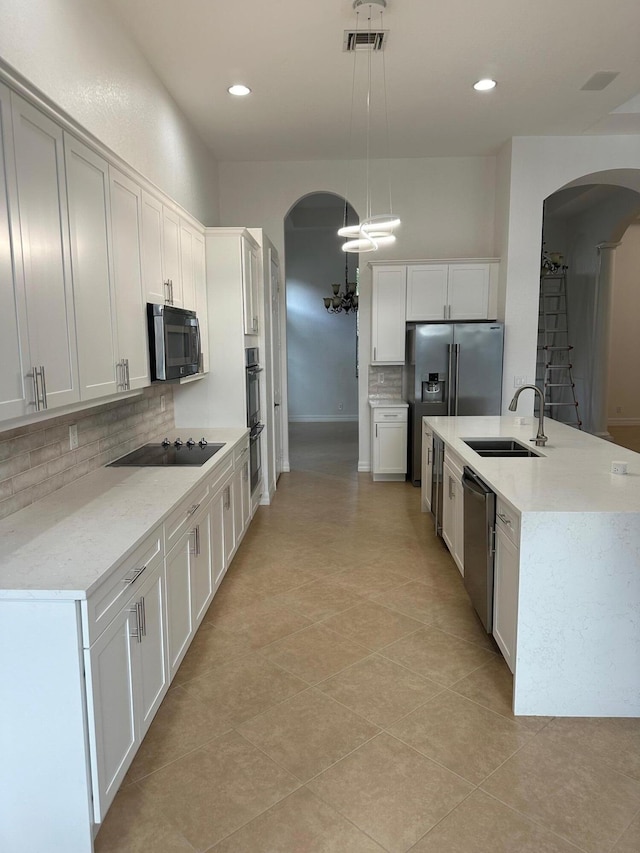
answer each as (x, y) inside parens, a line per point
(499, 447)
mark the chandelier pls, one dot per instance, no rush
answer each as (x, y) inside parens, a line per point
(375, 230)
(343, 301)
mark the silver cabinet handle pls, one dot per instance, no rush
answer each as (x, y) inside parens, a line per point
(428, 456)
(245, 472)
(227, 497)
(376, 430)
(192, 509)
(135, 574)
(374, 353)
(194, 548)
(457, 377)
(44, 387)
(171, 288)
(127, 381)
(492, 541)
(137, 635)
(36, 392)
(143, 615)
(504, 518)
(452, 490)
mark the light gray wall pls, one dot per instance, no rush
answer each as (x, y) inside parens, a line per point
(577, 238)
(77, 53)
(322, 379)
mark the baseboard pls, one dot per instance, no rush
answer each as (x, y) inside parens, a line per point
(364, 467)
(285, 468)
(624, 422)
(321, 419)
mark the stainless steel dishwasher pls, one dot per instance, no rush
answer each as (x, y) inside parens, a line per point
(479, 544)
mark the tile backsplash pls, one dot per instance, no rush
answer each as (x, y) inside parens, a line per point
(391, 386)
(35, 460)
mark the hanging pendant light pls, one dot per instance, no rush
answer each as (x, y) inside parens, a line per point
(375, 231)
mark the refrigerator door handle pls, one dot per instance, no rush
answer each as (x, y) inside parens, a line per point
(450, 390)
(457, 346)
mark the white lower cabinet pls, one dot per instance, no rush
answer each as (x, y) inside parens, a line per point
(127, 676)
(389, 443)
(453, 509)
(505, 583)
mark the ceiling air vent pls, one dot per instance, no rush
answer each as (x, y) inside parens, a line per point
(599, 81)
(365, 39)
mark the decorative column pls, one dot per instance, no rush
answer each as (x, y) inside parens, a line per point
(601, 339)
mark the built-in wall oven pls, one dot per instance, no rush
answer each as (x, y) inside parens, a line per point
(253, 371)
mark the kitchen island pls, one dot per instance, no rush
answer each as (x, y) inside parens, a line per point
(577, 587)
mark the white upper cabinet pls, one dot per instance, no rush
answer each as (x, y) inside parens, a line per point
(131, 310)
(186, 266)
(250, 286)
(388, 314)
(171, 256)
(88, 195)
(468, 291)
(16, 390)
(46, 270)
(456, 290)
(427, 291)
(155, 288)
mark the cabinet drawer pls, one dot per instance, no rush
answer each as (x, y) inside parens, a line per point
(508, 520)
(454, 462)
(220, 474)
(180, 519)
(389, 415)
(105, 603)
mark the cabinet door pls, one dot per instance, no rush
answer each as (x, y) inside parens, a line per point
(218, 559)
(131, 309)
(111, 689)
(505, 597)
(450, 484)
(179, 606)
(390, 448)
(201, 566)
(152, 669)
(426, 468)
(427, 292)
(186, 267)
(155, 287)
(44, 239)
(228, 523)
(88, 197)
(469, 291)
(200, 287)
(171, 255)
(16, 390)
(249, 287)
(388, 315)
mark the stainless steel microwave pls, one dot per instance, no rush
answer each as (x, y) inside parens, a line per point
(174, 342)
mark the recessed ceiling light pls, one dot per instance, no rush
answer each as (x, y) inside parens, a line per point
(484, 85)
(239, 90)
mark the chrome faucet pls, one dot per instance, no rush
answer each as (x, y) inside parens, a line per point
(541, 438)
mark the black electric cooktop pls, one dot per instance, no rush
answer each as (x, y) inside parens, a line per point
(167, 455)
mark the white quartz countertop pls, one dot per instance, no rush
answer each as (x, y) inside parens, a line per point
(62, 545)
(572, 474)
(387, 402)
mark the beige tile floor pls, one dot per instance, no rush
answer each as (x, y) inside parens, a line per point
(340, 697)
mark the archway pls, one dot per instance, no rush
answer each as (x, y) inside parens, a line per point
(322, 358)
(585, 222)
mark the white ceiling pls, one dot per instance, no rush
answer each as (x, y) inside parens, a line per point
(290, 53)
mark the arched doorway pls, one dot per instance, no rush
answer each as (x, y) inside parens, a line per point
(585, 222)
(322, 346)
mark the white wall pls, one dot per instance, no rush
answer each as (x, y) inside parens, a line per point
(624, 357)
(446, 205)
(538, 167)
(78, 54)
(321, 346)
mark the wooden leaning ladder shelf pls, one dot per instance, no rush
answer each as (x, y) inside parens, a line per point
(554, 368)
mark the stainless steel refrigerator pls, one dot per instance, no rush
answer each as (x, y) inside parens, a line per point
(451, 369)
